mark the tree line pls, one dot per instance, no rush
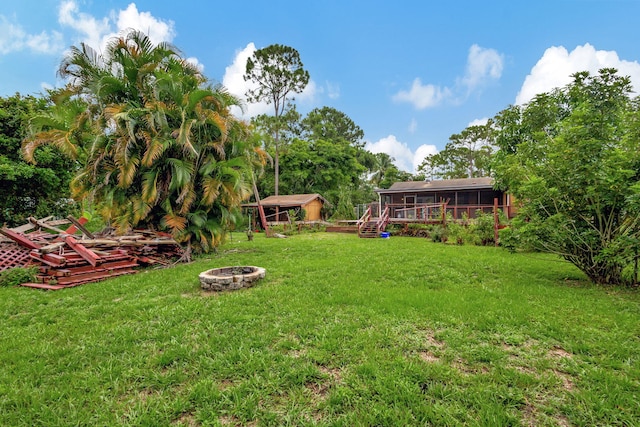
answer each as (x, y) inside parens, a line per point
(142, 137)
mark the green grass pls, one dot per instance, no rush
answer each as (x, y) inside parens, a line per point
(342, 331)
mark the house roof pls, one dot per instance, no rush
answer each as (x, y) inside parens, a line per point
(439, 185)
(290, 200)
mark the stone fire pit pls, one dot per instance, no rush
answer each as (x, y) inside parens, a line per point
(230, 278)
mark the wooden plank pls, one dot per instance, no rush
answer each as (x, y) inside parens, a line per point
(118, 242)
(79, 225)
(52, 260)
(87, 254)
(19, 238)
(51, 247)
(44, 225)
(43, 286)
(88, 269)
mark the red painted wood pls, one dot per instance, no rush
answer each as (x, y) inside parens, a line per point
(19, 238)
(88, 255)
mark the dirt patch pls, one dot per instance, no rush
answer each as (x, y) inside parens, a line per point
(567, 383)
(507, 348)
(466, 369)
(318, 391)
(432, 341)
(187, 420)
(230, 420)
(429, 357)
(562, 421)
(225, 384)
(296, 354)
(559, 353)
(334, 373)
(526, 370)
(529, 415)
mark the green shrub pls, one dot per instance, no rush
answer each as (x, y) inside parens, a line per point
(439, 233)
(18, 275)
(483, 228)
(460, 233)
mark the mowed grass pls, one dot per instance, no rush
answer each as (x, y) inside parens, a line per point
(342, 331)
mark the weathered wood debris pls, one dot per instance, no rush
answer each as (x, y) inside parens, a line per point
(75, 256)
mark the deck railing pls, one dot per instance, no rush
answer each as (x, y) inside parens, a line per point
(436, 212)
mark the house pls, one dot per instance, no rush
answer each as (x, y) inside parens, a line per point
(417, 201)
(276, 208)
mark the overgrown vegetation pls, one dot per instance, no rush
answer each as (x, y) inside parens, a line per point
(157, 144)
(18, 275)
(478, 230)
(30, 190)
(571, 156)
(342, 331)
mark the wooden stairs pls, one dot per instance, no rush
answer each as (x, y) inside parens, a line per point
(369, 226)
(369, 229)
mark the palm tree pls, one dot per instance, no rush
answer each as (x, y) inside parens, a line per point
(165, 151)
(383, 163)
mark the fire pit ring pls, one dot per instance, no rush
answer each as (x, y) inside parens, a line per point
(230, 278)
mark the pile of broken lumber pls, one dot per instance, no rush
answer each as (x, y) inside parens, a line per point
(65, 259)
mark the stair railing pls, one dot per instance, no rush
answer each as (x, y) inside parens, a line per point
(364, 219)
(383, 221)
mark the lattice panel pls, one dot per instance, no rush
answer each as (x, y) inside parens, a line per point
(12, 255)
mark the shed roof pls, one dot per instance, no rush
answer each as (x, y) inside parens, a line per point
(440, 185)
(290, 200)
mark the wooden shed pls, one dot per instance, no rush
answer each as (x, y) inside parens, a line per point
(276, 208)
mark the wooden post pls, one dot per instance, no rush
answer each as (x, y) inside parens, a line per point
(263, 218)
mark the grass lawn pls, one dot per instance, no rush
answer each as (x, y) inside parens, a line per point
(342, 331)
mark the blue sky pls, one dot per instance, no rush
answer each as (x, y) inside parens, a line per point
(409, 73)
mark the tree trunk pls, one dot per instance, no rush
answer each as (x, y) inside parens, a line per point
(277, 170)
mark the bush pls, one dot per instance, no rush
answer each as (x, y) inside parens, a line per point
(439, 233)
(18, 275)
(483, 228)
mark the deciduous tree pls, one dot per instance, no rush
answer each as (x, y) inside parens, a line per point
(572, 158)
(40, 189)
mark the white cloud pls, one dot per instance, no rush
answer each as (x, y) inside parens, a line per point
(233, 80)
(423, 96)
(557, 65)
(14, 38)
(309, 94)
(97, 32)
(483, 65)
(194, 61)
(423, 151)
(478, 122)
(91, 30)
(333, 90)
(46, 86)
(413, 126)
(405, 158)
(157, 29)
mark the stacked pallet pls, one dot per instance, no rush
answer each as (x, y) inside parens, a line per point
(65, 261)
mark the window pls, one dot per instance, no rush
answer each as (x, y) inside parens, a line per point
(467, 198)
(426, 199)
(487, 196)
